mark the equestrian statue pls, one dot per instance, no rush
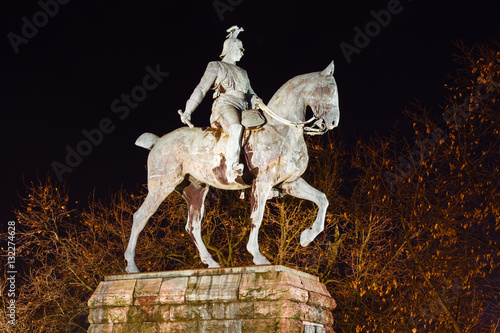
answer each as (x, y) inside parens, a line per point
(271, 159)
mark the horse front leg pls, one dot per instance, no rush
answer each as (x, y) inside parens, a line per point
(302, 190)
(195, 195)
(260, 192)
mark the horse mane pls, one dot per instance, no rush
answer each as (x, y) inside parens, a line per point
(289, 89)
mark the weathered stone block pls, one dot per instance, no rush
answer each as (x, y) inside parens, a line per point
(219, 310)
(198, 289)
(259, 278)
(217, 288)
(178, 327)
(113, 293)
(239, 310)
(274, 325)
(289, 309)
(242, 299)
(315, 286)
(173, 290)
(160, 313)
(289, 279)
(220, 326)
(136, 328)
(100, 328)
(145, 305)
(147, 287)
(224, 288)
(322, 301)
(326, 318)
(108, 315)
(138, 315)
(272, 292)
(146, 301)
(190, 312)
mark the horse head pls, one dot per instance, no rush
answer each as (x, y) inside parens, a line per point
(323, 99)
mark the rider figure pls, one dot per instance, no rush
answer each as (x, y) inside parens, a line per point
(232, 92)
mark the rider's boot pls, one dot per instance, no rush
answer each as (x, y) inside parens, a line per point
(233, 166)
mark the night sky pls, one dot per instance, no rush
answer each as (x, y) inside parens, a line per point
(68, 78)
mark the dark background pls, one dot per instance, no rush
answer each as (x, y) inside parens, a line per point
(65, 78)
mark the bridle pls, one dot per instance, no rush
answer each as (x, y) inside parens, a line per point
(310, 130)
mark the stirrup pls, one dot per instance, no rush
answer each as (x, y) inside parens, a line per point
(235, 171)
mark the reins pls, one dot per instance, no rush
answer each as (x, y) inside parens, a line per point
(307, 130)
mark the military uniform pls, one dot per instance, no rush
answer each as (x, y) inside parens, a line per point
(232, 92)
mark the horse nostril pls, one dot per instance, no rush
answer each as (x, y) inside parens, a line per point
(319, 123)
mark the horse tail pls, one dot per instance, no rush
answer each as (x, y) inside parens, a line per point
(147, 140)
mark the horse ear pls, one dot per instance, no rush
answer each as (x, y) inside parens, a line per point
(329, 70)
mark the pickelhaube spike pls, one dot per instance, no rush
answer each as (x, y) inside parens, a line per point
(234, 31)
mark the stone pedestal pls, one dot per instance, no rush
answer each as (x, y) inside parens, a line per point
(245, 299)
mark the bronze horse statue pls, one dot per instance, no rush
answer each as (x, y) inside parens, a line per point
(275, 156)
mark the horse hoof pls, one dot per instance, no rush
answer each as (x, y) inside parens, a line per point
(132, 269)
(261, 261)
(235, 171)
(213, 265)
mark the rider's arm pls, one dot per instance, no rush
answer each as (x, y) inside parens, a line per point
(253, 98)
(202, 88)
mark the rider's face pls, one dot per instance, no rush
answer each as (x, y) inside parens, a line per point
(237, 51)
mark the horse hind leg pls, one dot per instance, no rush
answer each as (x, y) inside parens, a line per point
(260, 192)
(195, 195)
(159, 187)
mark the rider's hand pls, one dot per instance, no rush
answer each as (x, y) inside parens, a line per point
(258, 102)
(185, 117)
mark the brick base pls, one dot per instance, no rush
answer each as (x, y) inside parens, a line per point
(245, 299)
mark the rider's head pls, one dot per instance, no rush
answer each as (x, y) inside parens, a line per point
(232, 45)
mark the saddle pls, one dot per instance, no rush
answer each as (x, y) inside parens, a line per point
(252, 119)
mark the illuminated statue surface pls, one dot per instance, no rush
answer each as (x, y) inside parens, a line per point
(271, 160)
